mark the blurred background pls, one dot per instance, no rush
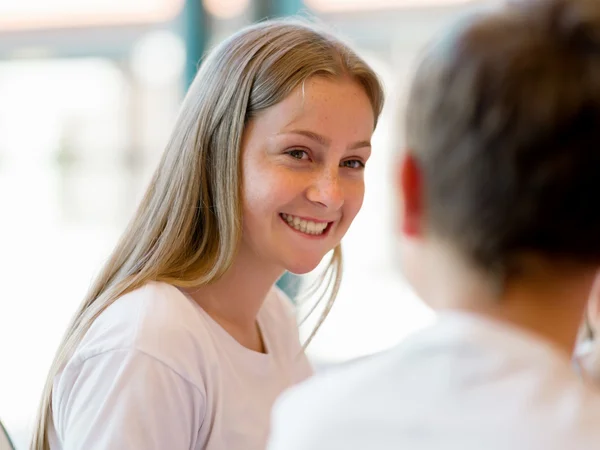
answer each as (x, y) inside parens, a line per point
(89, 90)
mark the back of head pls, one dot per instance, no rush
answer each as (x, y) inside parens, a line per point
(504, 122)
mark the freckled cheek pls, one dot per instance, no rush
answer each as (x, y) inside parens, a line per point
(257, 180)
(353, 197)
(270, 191)
(283, 183)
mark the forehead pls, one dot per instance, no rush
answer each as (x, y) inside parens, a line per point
(322, 105)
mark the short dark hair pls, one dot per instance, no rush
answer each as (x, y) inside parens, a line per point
(504, 122)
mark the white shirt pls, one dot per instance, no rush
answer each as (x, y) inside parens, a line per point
(155, 371)
(463, 384)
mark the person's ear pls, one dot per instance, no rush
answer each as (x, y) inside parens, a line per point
(409, 187)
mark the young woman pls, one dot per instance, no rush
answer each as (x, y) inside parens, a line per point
(183, 342)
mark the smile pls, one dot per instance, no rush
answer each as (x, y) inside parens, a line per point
(305, 226)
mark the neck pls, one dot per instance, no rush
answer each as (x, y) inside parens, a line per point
(552, 308)
(549, 303)
(235, 299)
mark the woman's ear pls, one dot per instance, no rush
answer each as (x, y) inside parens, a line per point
(593, 305)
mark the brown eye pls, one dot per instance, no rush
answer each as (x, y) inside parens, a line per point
(298, 154)
(353, 164)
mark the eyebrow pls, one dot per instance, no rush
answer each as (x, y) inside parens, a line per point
(325, 141)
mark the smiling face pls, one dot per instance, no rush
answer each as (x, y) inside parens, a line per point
(303, 173)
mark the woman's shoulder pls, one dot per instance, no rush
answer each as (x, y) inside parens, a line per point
(156, 319)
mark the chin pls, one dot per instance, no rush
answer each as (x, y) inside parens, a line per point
(301, 270)
(303, 267)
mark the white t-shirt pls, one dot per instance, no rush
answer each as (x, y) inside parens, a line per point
(156, 372)
(465, 383)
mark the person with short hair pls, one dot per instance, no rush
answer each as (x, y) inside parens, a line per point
(500, 236)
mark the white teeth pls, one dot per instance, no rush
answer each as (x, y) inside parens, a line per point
(306, 226)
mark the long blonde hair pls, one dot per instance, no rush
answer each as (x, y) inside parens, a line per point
(186, 230)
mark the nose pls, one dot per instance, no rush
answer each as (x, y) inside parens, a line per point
(326, 189)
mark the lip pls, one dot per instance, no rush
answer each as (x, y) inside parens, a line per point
(309, 219)
(310, 236)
